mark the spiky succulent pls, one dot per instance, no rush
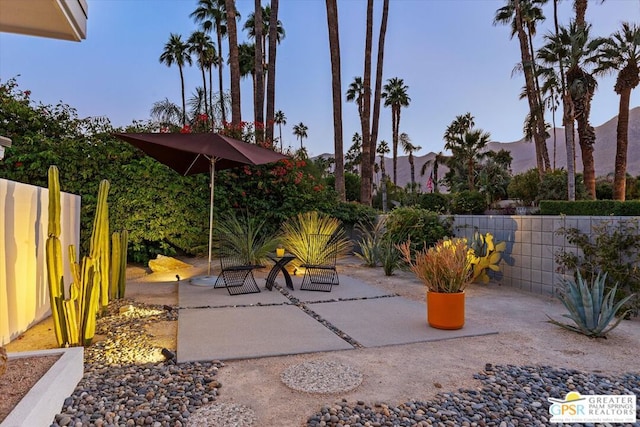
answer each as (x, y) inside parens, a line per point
(589, 307)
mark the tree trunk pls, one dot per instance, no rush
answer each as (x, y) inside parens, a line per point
(394, 139)
(367, 169)
(205, 93)
(336, 86)
(587, 137)
(258, 106)
(220, 63)
(271, 71)
(567, 121)
(620, 174)
(378, 89)
(234, 64)
(413, 170)
(534, 108)
(184, 103)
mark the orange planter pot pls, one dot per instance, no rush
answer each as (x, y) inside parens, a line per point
(445, 311)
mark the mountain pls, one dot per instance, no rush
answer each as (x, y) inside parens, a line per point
(524, 156)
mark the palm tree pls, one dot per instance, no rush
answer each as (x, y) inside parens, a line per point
(383, 150)
(258, 68)
(522, 15)
(395, 96)
(234, 65)
(250, 26)
(467, 148)
(353, 158)
(336, 90)
(280, 119)
(201, 45)
(621, 53)
(375, 119)
(177, 52)
(355, 93)
(271, 67)
(261, 34)
(166, 113)
(212, 14)
(366, 182)
(582, 85)
(300, 131)
(409, 148)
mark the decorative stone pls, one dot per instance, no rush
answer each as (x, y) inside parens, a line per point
(322, 376)
(164, 264)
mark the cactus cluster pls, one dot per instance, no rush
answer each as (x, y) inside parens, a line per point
(74, 318)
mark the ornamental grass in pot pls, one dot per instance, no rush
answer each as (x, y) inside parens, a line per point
(446, 270)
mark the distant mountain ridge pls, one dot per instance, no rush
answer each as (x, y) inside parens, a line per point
(524, 156)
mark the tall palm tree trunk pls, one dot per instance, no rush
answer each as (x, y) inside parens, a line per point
(220, 63)
(271, 71)
(395, 111)
(210, 123)
(258, 101)
(184, 101)
(413, 170)
(622, 138)
(205, 93)
(367, 169)
(234, 64)
(336, 87)
(534, 108)
(378, 88)
(587, 137)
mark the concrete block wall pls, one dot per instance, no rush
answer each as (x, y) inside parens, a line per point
(529, 262)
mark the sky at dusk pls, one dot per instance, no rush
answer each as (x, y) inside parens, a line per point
(449, 53)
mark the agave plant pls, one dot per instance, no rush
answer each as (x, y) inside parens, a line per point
(247, 238)
(590, 309)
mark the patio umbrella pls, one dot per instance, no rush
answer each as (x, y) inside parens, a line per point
(193, 153)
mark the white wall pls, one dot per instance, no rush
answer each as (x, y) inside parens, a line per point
(24, 295)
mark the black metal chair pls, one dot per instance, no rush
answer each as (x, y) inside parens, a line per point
(320, 263)
(237, 272)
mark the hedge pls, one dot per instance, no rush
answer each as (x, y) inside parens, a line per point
(590, 207)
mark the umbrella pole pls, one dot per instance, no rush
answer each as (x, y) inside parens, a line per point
(213, 171)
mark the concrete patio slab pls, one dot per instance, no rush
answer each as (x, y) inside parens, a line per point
(191, 296)
(348, 288)
(250, 332)
(389, 321)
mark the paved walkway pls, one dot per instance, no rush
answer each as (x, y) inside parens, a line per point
(214, 325)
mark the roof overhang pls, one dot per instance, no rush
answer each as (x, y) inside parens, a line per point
(58, 19)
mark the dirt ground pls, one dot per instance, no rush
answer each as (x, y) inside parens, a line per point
(397, 374)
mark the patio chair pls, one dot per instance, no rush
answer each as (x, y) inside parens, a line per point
(320, 263)
(236, 271)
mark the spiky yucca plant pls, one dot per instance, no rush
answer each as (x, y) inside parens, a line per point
(590, 309)
(371, 241)
(245, 237)
(296, 234)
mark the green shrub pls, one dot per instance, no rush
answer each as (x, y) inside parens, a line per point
(609, 248)
(370, 240)
(525, 186)
(590, 207)
(435, 202)
(468, 203)
(423, 227)
(554, 186)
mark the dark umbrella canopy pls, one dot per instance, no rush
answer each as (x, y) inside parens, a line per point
(192, 153)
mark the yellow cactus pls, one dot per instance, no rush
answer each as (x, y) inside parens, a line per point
(485, 254)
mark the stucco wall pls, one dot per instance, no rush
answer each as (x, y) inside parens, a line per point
(24, 296)
(532, 243)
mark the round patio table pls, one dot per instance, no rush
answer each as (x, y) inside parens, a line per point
(278, 266)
